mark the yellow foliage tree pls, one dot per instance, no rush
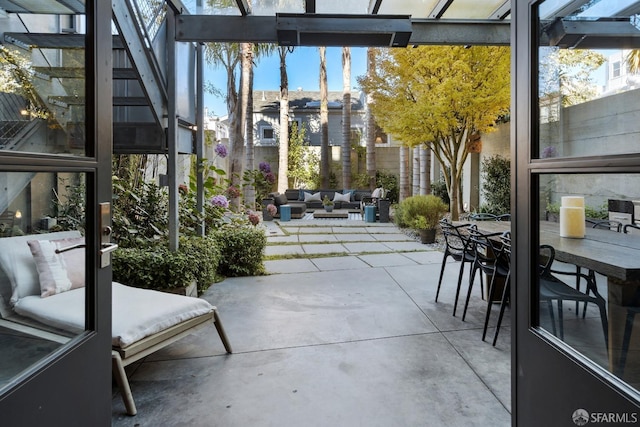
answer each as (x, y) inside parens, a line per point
(440, 96)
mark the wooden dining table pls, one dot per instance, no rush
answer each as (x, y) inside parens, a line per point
(612, 254)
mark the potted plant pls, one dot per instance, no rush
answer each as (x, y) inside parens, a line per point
(328, 204)
(422, 213)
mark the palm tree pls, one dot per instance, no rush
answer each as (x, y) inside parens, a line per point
(236, 134)
(228, 55)
(346, 117)
(247, 63)
(371, 126)
(633, 60)
(283, 147)
(324, 119)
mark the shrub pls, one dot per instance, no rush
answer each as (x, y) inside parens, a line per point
(420, 212)
(496, 186)
(439, 188)
(390, 184)
(139, 214)
(156, 267)
(242, 248)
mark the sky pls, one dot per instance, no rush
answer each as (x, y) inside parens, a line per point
(303, 69)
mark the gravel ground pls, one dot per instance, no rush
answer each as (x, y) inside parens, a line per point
(438, 245)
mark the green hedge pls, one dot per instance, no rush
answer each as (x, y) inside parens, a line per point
(242, 250)
(156, 267)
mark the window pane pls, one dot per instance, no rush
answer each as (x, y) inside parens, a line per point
(590, 230)
(42, 89)
(41, 290)
(588, 85)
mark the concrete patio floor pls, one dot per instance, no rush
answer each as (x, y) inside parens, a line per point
(349, 340)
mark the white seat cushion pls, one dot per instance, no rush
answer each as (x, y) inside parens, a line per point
(136, 313)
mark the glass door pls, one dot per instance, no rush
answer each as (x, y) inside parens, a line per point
(576, 358)
(55, 180)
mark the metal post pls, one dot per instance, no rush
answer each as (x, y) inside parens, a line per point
(172, 132)
(200, 133)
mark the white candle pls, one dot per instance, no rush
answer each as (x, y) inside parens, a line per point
(573, 201)
(572, 221)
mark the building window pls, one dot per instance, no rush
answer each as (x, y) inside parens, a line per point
(616, 69)
(267, 133)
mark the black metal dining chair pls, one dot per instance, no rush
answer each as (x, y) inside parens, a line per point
(632, 309)
(488, 259)
(603, 224)
(626, 229)
(456, 239)
(506, 291)
(551, 289)
(483, 216)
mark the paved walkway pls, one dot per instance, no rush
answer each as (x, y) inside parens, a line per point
(345, 334)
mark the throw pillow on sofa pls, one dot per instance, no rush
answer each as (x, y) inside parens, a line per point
(337, 197)
(315, 197)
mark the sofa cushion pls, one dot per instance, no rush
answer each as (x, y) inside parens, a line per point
(337, 197)
(281, 199)
(292, 194)
(315, 197)
(352, 193)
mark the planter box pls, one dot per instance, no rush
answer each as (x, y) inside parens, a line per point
(190, 290)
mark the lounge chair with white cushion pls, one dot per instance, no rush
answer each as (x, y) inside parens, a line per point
(38, 289)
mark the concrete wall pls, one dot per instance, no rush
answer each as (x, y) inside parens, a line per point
(493, 144)
(605, 126)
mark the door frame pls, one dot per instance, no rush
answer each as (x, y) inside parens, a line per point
(549, 381)
(72, 386)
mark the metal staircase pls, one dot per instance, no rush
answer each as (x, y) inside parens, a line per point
(57, 79)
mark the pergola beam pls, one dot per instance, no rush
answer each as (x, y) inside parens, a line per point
(310, 6)
(262, 29)
(565, 9)
(243, 6)
(440, 9)
(593, 34)
(460, 32)
(374, 6)
(501, 11)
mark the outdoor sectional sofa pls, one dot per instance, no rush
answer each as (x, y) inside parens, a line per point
(143, 320)
(296, 199)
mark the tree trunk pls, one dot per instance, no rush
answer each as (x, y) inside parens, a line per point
(425, 170)
(324, 120)
(415, 173)
(236, 136)
(283, 140)
(247, 61)
(404, 172)
(346, 117)
(371, 126)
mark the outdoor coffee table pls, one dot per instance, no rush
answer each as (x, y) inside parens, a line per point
(340, 213)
